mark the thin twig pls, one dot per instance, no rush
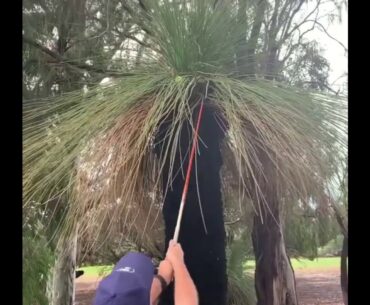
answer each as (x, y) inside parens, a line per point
(73, 64)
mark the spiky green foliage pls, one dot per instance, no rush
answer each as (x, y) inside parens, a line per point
(240, 283)
(189, 36)
(96, 146)
(37, 260)
(241, 290)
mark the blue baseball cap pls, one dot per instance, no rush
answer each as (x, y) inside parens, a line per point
(129, 283)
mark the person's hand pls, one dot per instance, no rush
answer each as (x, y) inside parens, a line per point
(175, 255)
(165, 269)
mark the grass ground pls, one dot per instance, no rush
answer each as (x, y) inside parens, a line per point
(298, 264)
(303, 263)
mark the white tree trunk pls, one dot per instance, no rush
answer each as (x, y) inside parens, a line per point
(274, 276)
(63, 288)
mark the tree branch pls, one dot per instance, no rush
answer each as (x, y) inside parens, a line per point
(72, 64)
(228, 223)
(134, 38)
(340, 219)
(273, 30)
(142, 5)
(287, 34)
(324, 85)
(136, 18)
(287, 24)
(326, 32)
(256, 29)
(296, 45)
(141, 42)
(284, 10)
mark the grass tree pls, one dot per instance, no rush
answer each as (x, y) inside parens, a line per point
(119, 152)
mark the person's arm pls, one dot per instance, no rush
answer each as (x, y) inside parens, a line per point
(185, 290)
(155, 291)
(165, 270)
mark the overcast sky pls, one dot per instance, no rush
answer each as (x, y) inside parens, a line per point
(333, 51)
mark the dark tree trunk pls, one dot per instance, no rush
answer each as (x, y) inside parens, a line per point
(204, 252)
(342, 222)
(242, 57)
(246, 53)
(274, 275)
(344, 270)
(271, 64)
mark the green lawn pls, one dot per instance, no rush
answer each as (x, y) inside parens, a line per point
(96, 270)
(303, 263)
(320, 263)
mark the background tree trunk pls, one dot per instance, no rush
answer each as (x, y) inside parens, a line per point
(344, 270)
(246, 53)
(343, 224)
(274, 275)
(64, 272)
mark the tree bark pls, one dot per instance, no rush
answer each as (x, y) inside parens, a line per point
(252, 42)
(246, 51)
(241, 51)
(271, 63)
(343, 224)
(63, 291)
(204, 251)
(344, 270)
(274, 275)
